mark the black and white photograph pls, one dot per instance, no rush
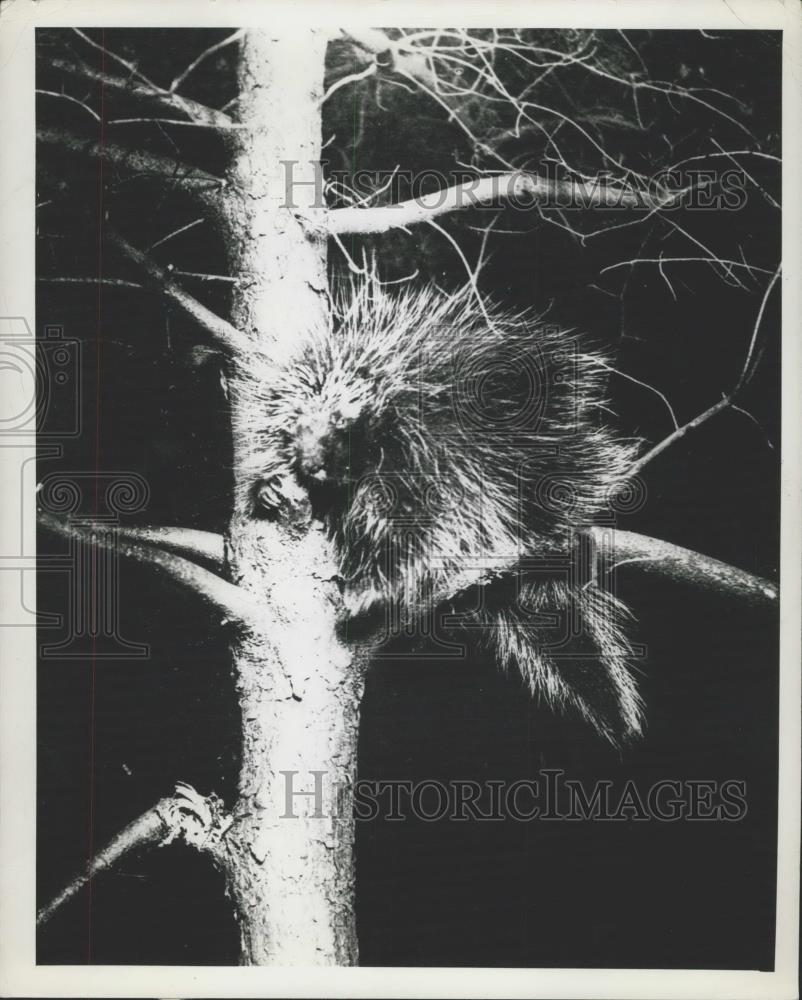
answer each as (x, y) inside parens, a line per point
(404, 508)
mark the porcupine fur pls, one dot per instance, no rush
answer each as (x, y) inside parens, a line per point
(433, 436)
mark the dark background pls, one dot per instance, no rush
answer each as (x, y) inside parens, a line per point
(118, 734)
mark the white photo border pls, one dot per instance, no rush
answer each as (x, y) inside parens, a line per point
(19, 974)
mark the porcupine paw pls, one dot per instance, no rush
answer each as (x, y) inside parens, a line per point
(280, 496)
(268, 496)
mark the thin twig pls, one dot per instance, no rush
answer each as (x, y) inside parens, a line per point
(202, 276)
(686, 260)
(112, 282)
(345, 80)
(176, 232)
(149, 120)
(133, 70)
(73, 100)
(146, 90)
(228, 40)
(218, 328)
(726, 400)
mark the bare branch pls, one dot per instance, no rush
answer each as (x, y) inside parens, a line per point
(193, 179)
(112, 282)
(175, 232)
(714, 261)
(132, 68)
(236, 605)
(219, 329)
(747, 371)
(228, 40)
(186, 814)
(673, 562)
(471, 273)
(345, 80)
(525, 189)
(146, 831)
(198, 113)
(73, 100)
(151, 120)
(653, 555)
(123, 283)
(191, 542)
(201, 276)
(378, 44)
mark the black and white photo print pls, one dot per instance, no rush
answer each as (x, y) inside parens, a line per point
(409, 424)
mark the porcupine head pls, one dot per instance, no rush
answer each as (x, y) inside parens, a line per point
(436, 435)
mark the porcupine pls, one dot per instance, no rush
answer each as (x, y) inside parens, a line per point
(434, 434)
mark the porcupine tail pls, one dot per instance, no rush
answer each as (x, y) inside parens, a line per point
(568, 644)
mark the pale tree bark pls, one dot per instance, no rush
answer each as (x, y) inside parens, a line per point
(290, 872)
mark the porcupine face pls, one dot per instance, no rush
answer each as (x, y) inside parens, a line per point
(433, 438)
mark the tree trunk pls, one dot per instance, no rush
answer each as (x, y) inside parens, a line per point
(289, 857)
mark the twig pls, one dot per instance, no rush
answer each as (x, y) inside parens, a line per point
(471, 273)
(150, 120)
(351, 78)
(726, 400)
(133, 70)
(73, 100)
(199, 113)
(644, 385)
(722, 261)
(377, 43)
(228, 40)
(176, 232)
(218, 328)
(113, 282)
(201, 276)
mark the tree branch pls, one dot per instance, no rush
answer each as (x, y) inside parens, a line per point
(193, 179)
(228, 40)
(168, 99)
(197, 820)
(673, 562)
(148, 830)
(655, 556)
(219, 329)
(109, 282)
(190, 542)
(236, 604)
(382, 47)
(747, 371)
(512, 187)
